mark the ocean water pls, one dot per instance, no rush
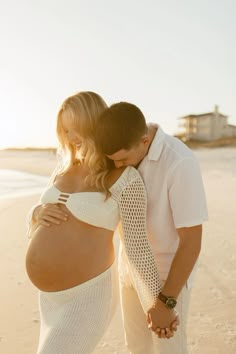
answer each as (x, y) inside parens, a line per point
(15, 184)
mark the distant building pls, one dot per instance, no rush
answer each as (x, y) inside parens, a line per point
(206, 126)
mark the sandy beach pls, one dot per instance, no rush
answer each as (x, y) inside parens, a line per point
(212, 323)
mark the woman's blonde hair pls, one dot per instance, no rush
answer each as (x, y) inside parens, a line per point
(84, 110)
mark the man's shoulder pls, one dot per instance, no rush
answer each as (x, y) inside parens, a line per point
(176, 149)
(167, 147)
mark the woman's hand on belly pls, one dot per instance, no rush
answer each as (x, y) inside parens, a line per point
(48, 214)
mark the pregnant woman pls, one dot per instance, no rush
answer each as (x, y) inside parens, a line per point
(70, 258)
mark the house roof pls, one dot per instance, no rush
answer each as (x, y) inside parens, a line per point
(202, 115)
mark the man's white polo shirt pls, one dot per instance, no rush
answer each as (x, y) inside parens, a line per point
(176, 196)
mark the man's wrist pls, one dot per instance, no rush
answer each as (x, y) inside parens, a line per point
(169, 301)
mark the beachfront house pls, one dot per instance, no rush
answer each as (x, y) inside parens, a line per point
(206, 126)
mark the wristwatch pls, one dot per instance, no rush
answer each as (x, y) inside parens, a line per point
(169, 301)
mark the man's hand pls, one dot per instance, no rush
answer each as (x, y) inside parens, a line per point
(162, 321)
(48, 214)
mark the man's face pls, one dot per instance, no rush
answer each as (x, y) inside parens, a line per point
(131, 157)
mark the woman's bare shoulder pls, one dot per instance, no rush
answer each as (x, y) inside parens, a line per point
(129, 172)
(114, 175)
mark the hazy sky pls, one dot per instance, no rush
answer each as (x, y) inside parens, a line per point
(169, 57)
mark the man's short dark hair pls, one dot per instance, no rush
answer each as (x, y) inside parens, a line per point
(120, 127)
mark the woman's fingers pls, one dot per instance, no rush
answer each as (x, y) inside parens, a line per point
(60, 215)
(175, 323)
(169, 334)
(44, 223)
(51, 213)
(51, 219)
(164, 332)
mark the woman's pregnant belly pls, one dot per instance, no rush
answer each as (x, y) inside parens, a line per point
(62, 256)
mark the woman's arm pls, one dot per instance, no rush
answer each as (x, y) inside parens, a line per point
(45, 214)
(141, 261)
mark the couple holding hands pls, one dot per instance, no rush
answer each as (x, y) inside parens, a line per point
(115, 171)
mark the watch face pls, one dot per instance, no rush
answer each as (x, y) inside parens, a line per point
(171, 303)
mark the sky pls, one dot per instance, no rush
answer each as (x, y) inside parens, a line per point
(171, 58)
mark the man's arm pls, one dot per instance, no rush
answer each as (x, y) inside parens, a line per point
(184, 260)
(181, 267)
(188, 206)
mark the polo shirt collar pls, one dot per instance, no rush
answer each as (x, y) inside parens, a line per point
(156, 145)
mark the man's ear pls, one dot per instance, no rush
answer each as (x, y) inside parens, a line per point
(145, 139)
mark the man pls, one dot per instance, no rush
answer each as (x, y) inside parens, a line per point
(175, 212)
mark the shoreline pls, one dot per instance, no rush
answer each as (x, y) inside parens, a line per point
(15, 183)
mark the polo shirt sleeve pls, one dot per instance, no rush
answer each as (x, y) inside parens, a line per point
(186, 194)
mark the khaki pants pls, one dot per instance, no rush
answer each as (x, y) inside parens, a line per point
(139, 339)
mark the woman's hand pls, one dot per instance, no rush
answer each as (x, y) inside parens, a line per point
(48, 214)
